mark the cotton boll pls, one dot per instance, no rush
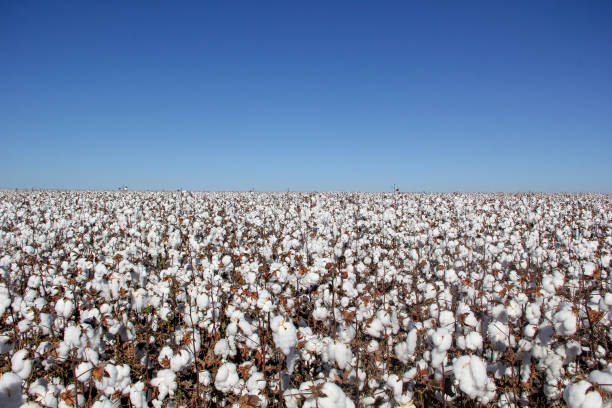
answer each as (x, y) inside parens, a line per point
(473, 341)
(375, 328)
(180, 361)
(138, 396)
(471, 320)
(123, 381)
(346, 333)
(20, 365)
(441, 339)
(256, 382)
(530, 331)
(447, 320)
(320, 313)
(292, 397)
(396, 385)
(548, 284)
(222, 348)
(603, 379)
(402, 352)
(471, 374)
(64, 308)
(231, 330)
(11, 395)
(284, 333)
(164, 382)
(139, 299)
(5, 300)
(450, 276)
(72, 336)
(405, 400)
(204, 377)
(372, 346)
(165, 355)
(565, 322)
(5, 344)
(42, 349)
(438, 357)
(102, 402)
(226, 378)
(329, 396)
(340, 353)
(500, 336)
(92, 356)
(533, 313)
(83, 371)
(46, 322)
(577, 395)
(45, 393)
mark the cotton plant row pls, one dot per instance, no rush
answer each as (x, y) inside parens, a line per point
(151, 299)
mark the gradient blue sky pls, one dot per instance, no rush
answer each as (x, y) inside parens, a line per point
(317, 95)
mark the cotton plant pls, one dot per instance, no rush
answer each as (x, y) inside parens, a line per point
(385, 296)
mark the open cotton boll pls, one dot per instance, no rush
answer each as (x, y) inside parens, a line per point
(473, 341)
(375, 328)
(20, 365)
(395, 384)
(329, 396)
(5, 300)
(284, 333)
(116, 379)
(202, 301)
(405, 350)
(581, 395)
(83, 372)
(139, 299)
(565, 322)
(102, 402)
(180, 361)
(405, 400)
(603, 379)
(438, 357)
(45, 393)
(165, 355)
(72, 336)
(450, 276)
(64, 308)
(292, 397)
(204, 377)
(340, 353)
(5, 344)
(471, 374)
(320, 313)
(256, 382)
(164, 382)
(402, 352)
(225, 347)
(346, 333)
(500, 335)
(226, 378)
(11, 395)
(447, 320)
(138, 396)
(441, 339)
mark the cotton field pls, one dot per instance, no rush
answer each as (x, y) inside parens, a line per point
(330, 300)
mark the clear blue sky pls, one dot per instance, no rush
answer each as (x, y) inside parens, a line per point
(460, 96)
